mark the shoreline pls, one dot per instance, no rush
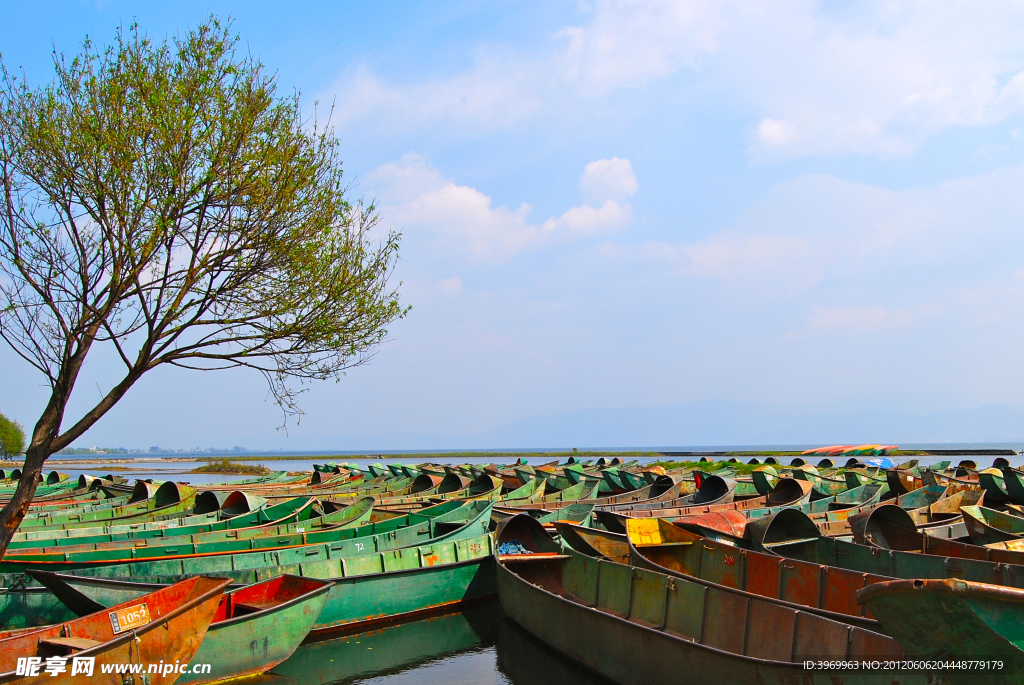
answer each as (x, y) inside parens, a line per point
(472, 456)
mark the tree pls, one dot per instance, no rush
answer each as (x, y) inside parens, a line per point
(12, 437)
(162, 200)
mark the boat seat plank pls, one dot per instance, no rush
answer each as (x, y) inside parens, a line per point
(253, 606)
(70, 642)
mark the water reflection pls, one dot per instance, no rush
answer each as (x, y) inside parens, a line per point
(479, 646)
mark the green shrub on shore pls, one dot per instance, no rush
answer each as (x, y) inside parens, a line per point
(225, 466)
(12, 438)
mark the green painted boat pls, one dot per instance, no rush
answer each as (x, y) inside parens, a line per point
(764, 479)
(374, 654)
(823, 485)
(594, 542)
(818, 510)
(574, 476)
(241, 511)
(23, 603)
(668, 550)
(715, 495)
(571, 494)
(954, 619)
(986, 526)
(273, 478)
(795, 537)
(426, 486)
(293, 511)
(995, 488)
(451, 568)
(579, 513)
(1013, 483)
(616, 481)
(530, 492)
(379, 487)
(118, 561)
(314, 517)
(254, 628)
(169, 498)
(636, 626)
(482, 487)
(378, 470)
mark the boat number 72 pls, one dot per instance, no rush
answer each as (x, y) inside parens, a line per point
(359, 547)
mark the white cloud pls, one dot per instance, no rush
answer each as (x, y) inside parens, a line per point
(823, 253)
(416, 196)
(608, 179)
(628, 44)
(774, 133)
(494, 94)
(731, 257)
(860, 319)
(449, 286)
(873, 77)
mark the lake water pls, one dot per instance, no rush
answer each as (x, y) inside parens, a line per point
(479, 646)
(140, 467)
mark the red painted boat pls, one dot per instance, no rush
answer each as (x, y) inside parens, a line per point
(163, 627)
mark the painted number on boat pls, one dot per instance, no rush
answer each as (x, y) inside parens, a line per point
(359, 546)
(129, 617)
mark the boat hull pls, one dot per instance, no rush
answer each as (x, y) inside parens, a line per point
(631, 653)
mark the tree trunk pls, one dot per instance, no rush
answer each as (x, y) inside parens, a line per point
(12, 514)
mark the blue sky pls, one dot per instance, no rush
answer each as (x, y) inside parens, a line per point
(612, 204)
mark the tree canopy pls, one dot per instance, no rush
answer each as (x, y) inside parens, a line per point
(160, 198)
(12, 438)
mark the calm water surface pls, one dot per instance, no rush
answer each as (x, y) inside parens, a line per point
(478, 646)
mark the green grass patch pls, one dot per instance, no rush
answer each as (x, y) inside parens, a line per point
(226, 466)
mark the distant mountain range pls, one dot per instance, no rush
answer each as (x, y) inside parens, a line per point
(721, 423)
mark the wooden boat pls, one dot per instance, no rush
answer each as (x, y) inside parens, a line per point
(910, 554)
(764, 479)
(1013, 483)
(787, 492)
(23, 603)
(325, 528)
(275, 615)
(580, 513)
(229, 516)
(837, 523)
(452, 486)
(902, 481)
(828, 514)
(953, 619)
(166, 626)
(594, 542)
(986, 526)
(665, 550)
(142, 495)
(169, 499)
(530, 492)
(331, 517)
(826, 591)
(995, 488)
(554, 500)
(823, 485)
(453, 567)
(636, 626)
(396, 649)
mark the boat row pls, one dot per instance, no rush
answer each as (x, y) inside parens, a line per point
(704, 572)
